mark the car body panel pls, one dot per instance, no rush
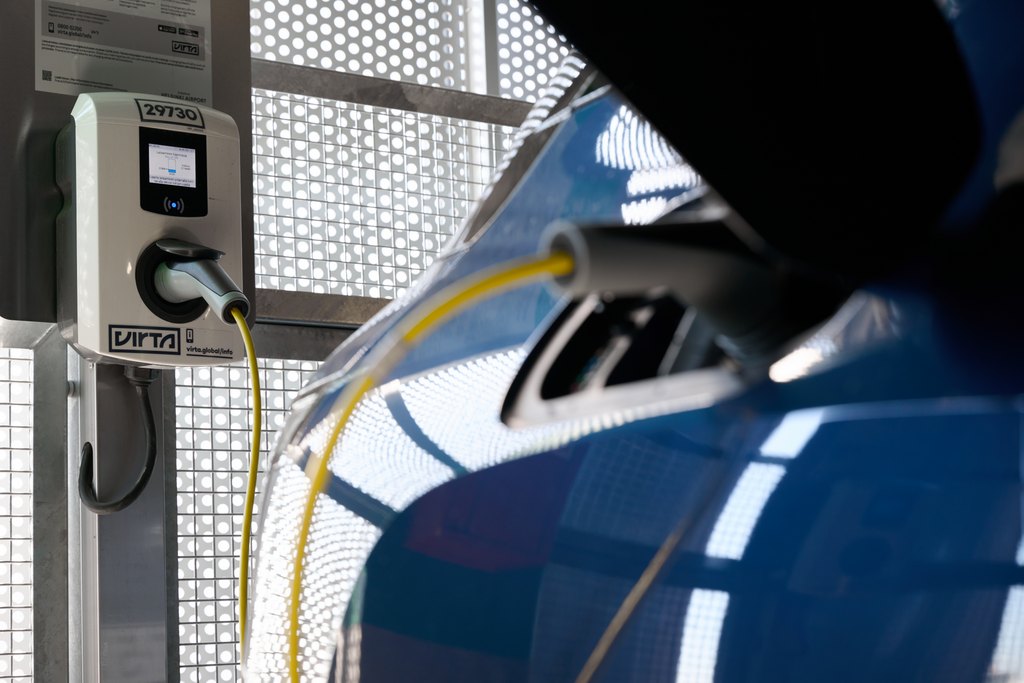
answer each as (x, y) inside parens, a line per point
(849, 511)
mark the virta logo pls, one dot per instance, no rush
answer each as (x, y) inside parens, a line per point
(136, 339)
(184, 48)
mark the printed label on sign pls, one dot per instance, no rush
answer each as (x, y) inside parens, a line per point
(184, 48)
(138, 339)
(169, 112)
(201, 349)
(151, 46)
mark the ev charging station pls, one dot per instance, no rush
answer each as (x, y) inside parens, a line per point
(127, 191)
(149, 261)
(141, 222)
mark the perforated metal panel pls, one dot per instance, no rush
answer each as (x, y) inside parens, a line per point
(214, 419)
(529, 51)
(411, 40)
(16, 515)
(358, 200)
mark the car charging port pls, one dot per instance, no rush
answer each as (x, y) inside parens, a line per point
(621, 340)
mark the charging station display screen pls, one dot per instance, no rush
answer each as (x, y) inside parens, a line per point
(172, 165)
(172, 172)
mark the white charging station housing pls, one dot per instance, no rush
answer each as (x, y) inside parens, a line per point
(135, 169)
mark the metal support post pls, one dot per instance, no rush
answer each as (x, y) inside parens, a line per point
(121, 559)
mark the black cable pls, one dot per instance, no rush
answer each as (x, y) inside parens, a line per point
(140, 378)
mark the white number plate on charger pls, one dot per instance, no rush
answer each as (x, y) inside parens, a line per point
(169, 112)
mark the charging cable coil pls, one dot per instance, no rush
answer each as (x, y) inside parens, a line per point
(140, 379)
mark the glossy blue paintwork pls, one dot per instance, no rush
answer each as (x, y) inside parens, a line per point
(837, 532)
(859, 521)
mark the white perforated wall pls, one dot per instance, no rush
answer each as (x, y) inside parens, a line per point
(358, 200)
(214, 419)
(418, 41)
(15, 515)
(529, 51)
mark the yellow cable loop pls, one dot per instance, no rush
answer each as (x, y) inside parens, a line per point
(254, 461)
(438, 308)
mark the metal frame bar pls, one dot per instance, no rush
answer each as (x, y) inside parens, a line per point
(120, 584)
(168, 451)
(381, 92)
(297, 342)
(76, 580)
(321, 310)
(491, 49)
(49, 508)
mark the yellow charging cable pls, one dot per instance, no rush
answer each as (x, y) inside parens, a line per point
(254, 462)
(399, 341)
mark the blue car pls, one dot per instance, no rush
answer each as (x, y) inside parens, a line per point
(753, 414)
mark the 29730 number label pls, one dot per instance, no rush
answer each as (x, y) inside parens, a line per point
(170, 112)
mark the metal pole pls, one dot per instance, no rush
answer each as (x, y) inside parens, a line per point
(49, 510)
(123, 563)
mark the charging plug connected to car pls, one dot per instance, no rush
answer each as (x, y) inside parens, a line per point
(753, 304)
